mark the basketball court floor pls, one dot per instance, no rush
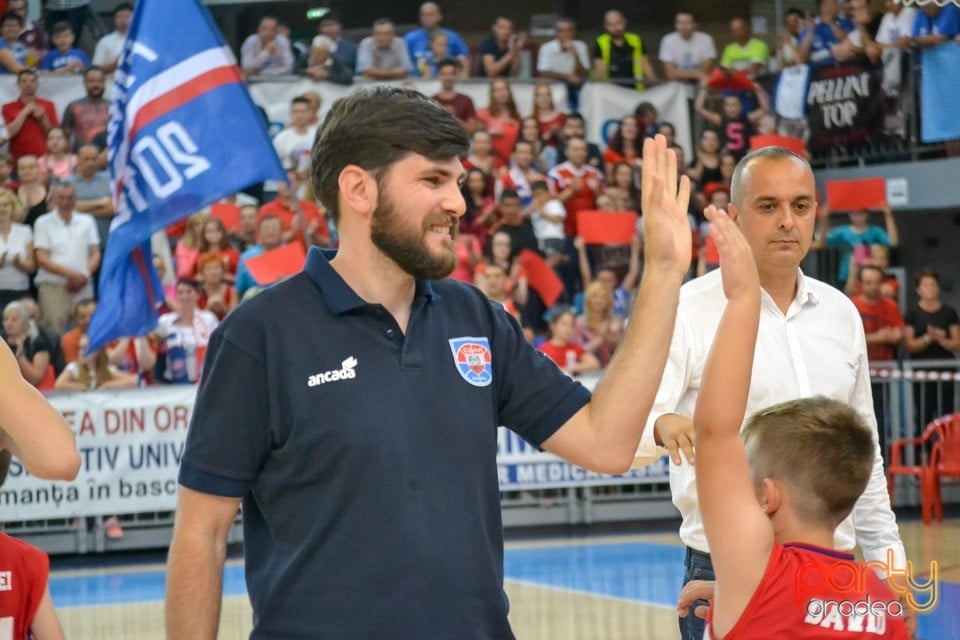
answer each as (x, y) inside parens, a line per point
(562, 587)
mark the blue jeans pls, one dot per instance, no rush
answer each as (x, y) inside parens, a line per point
(697, 566)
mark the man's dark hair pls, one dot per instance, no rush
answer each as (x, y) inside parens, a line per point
(509, 194)
(521, 141)
(793, 11)
(190, 282)
(123, 6)
(448, 62)
(643, 109)
(93, 68)
(379, 22)
(25, 72)
(61, 27)
(300, 100)
(267, 218)
(10, 15)
(375, 128)
(539, 185)
(927, 272)
(576, 115)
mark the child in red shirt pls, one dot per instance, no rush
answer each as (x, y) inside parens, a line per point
(771, 501)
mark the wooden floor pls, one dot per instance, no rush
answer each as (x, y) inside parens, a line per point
(540, 609)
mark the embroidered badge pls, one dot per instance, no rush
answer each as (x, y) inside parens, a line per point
(473, 360)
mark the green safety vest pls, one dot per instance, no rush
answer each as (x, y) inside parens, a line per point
(605, 43)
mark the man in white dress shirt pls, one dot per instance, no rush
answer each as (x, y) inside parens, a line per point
(810, 342)
(109, 47)
(565, 59)
(67, 248)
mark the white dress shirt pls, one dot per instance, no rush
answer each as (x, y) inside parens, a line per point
(552, 57)
(817, 348)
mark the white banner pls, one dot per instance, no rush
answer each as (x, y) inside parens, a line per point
(601, 104)
(521, 466)
(131, 443)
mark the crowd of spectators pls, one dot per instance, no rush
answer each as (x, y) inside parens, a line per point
(529, 177)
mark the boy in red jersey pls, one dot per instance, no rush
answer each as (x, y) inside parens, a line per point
(771, 501)
(43, 442)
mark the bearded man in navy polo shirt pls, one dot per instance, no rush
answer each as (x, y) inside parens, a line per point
(353, 408)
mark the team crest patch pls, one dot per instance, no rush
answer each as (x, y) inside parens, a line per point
(473, 360)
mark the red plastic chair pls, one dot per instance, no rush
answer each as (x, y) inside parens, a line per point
(923, 469)
(945, 458)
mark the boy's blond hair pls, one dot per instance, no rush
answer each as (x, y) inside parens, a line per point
(820, 448)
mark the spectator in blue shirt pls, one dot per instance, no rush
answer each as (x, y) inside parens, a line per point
(846, 238)
(13, 54)
(64, 58)
(829, 31)
(935, 25)
(418, 40)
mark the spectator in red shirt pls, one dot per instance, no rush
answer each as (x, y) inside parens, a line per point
(214, 239)
(501, 119)
(882, 321)
(216, 295)
(571, 357)
(459, 104)
(29, 118)
(285, 207)
(624, 145)
(575, 183)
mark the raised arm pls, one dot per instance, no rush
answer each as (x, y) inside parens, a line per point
(604, 435)
(738, 532)
(32, 429)
(893, 233)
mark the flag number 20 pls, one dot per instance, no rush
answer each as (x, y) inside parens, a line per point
(165, 161)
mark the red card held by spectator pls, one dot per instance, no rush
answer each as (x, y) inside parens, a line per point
(853, 195)
(729, 80)
(787, 142)
(277, 264)
(606, 227)
(541, 277)
(228, 214)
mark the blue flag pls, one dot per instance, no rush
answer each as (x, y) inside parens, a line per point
(183, 133)
(939, 93)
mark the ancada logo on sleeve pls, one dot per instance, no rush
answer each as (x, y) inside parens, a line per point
(473, 360)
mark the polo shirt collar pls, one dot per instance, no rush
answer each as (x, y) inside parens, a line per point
(337, 294)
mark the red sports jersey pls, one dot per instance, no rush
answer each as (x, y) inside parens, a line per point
(560, 178)
(811, 593)
(23, 581)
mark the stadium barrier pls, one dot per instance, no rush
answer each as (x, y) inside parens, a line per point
(131, 442)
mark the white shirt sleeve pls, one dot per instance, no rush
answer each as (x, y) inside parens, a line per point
(580, 47)
(710, 47)
(545, 55)
(41, 235)
(555, 208)
(93, 234)
(676, 378)
(874, 523)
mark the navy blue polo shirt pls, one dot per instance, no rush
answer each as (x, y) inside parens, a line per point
(366, 458)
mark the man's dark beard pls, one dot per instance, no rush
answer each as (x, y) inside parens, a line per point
(408, 249)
